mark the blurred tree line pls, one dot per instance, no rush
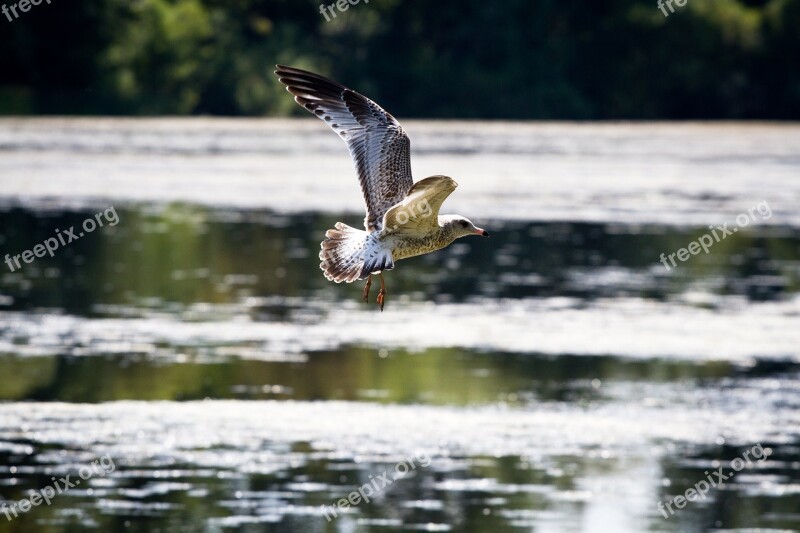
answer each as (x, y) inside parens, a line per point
(537, 59)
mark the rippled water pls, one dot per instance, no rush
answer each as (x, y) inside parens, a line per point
(555, 377)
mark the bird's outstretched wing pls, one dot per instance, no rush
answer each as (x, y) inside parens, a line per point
(378, 145)
(418, 213)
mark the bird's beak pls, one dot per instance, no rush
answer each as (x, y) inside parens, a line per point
(481, 232)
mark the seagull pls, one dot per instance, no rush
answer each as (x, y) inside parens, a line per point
(403, 217)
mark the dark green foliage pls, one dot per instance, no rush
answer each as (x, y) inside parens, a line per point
(546, 59)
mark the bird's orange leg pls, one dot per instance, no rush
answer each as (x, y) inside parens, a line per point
(382, 292)
(366, 288)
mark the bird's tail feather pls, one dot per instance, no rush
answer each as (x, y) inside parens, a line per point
(349, 254)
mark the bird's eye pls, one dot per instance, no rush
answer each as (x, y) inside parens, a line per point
(464, 224)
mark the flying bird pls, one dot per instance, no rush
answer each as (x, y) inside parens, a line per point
(403, 217)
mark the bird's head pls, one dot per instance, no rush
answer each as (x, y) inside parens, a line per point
(462, 226)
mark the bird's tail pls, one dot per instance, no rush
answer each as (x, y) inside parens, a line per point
(350, 254)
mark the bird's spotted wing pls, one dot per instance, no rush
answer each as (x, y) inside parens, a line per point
(418, 213)
(380, 149)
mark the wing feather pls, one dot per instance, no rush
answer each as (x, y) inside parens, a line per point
(418, 213)
(378, 145)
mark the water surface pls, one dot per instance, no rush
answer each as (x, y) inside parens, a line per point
(556, 375)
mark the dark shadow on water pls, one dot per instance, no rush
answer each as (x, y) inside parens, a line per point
(436, 376)
(183, 254)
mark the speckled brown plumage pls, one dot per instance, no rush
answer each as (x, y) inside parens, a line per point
(378, 145)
